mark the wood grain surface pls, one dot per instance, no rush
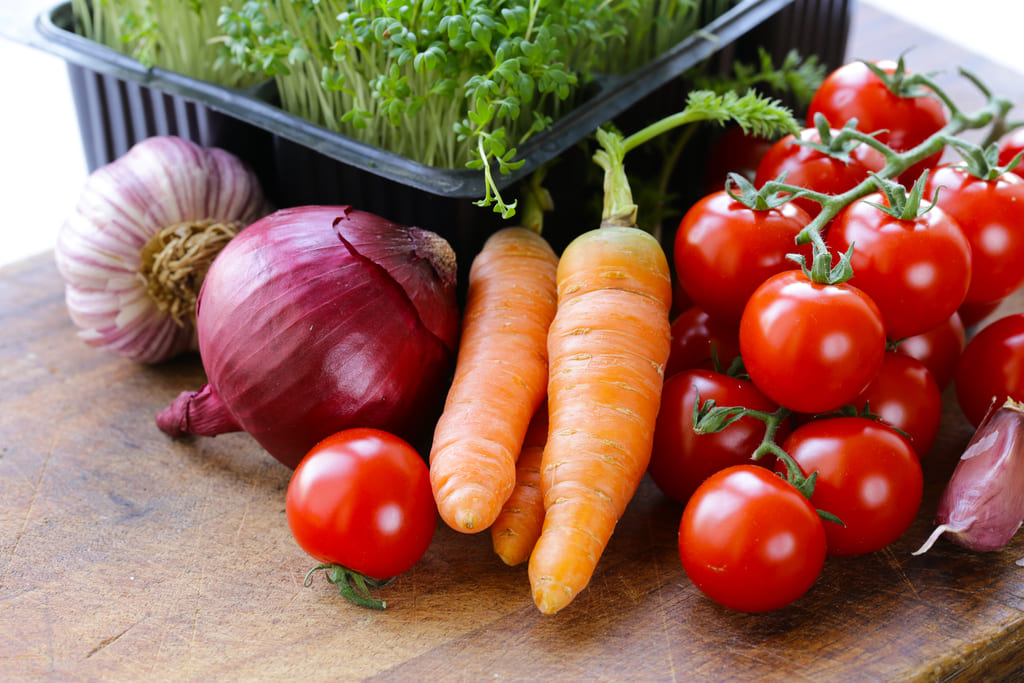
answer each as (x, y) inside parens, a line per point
(126, 555)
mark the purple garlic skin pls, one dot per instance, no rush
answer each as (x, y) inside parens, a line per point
(982, 506)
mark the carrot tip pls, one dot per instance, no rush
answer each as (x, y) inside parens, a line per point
(467, 520)
(550, 597)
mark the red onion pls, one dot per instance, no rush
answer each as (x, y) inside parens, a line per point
(982, 506)
(135, 248)
(320, 318)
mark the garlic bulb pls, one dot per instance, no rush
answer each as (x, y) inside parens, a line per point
(135, 249)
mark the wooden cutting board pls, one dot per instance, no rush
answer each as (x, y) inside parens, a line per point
(126, 555)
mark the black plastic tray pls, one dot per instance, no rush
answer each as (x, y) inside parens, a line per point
(119, 102)
(612, 96)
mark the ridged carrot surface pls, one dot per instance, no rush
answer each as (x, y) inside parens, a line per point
(607, 350)
(517, 527)
(500, 378)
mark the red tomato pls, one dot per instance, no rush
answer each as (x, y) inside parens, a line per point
(680, 299)
(750, 541)
(1010, 146)
(724, 250)
(991, 215)
(939, 349)
(811, 347)
(361, 499)
(905, 395)
(971, 314)
(815, 170)
(991, 368)
(734, 151)
(853, 92)
(694, 334)
(681, 458)
(917, 271)
(868, 476)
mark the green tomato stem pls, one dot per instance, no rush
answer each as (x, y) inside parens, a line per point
(352, 585)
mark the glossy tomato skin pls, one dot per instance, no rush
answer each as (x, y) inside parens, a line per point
(681, 458)
(814, 170)
(853, 92)
(973, 314)
(991, 368)
(905, 395)
(991, 215)
(723, 250)
(917, 271)
(694, 335)
(1010, 146)
(750, 541)
(361, 498)
(810, 347)
(938, 349)
(734, 151)
(868, 476)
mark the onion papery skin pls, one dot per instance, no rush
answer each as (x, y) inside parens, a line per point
(320, 318)
(161, 181)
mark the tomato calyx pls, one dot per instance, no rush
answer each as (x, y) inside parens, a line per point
(822, 271)
(866, 413)
(352, 585)
(841, 144)
(983, 162)
(709, 418)
(759, 200)
(902, 83)
(900, 204)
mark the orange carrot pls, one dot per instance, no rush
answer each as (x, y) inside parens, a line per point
(607, 350)
(500, 378)
(517, 527)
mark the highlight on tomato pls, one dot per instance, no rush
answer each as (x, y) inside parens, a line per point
(700, 341)
(988, 205)
(1010, 146)
(810, 346)
(868, 476)
(880, 97)
(731, 241)
(910, 257)
(905, 396)
(939, 348)
(682, 458)
(817, 161)
(750, 541)
(991, 367)
(360, 502)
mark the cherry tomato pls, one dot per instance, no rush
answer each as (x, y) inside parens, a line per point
(939, 349)
(971, 314)
(853, 91)
(905, 395)
(991, 368)
(680, 299)
(723, 250)
(991, 215)
(750, 541)
(815, 170)
(694, 335)
(917, 271)
(681, 458)
(1010, 146)
(811, 347)
(734, 151)
(361, 499)
(868, 476)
